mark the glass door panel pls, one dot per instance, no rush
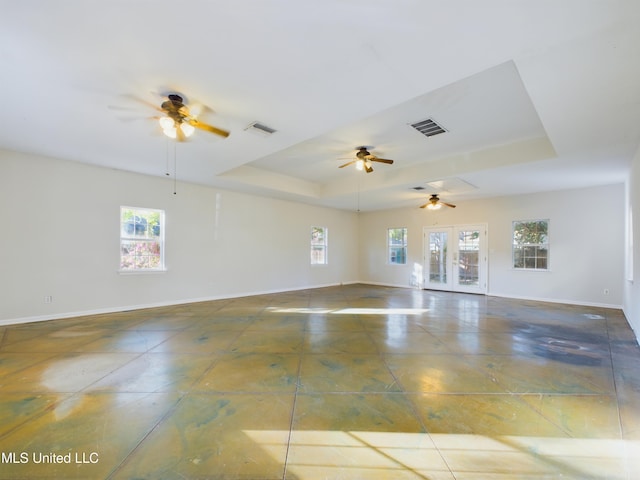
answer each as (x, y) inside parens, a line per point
(438, 257)
(455, 258)
(468, 257)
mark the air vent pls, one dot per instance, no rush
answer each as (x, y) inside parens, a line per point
(428, 127)
(417, 188)
(260, 128)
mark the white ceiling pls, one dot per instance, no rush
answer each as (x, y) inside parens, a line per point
(534, 95)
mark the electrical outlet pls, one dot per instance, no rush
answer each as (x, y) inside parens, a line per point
(606, 291)
(48, 299)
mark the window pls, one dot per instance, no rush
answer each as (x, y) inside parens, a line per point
(531, 244)
(141, 239)
(319, 246)
(397, 246)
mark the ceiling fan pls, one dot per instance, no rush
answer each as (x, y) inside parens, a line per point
(179, 123)
(363, 160)
(435, 203)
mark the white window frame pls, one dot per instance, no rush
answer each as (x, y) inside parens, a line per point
(319, 248)
(532, 245)
(129, 233)
(391, 247)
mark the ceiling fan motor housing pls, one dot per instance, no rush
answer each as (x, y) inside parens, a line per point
(175, 108)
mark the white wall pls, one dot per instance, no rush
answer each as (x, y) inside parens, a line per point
(632, 281)
(60, 237)
(586, 232)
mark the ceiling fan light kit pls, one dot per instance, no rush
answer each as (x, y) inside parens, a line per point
(364, 160)
(170, 127)
(435, 203)
(179, 123)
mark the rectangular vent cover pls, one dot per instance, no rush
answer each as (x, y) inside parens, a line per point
(428, 127)
(261, 128)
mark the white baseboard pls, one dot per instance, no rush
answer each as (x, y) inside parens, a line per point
(556, 300)
(126, 308)
(229, 296)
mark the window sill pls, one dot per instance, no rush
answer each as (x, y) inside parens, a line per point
(530, 270)
(142, 272)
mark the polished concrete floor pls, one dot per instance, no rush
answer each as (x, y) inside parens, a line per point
(351, 382)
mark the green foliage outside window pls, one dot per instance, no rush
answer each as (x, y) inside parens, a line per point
(141, 239)
(531, 244)
(319, 246)
(397, 243)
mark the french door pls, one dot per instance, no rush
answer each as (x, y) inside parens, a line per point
(455, 258)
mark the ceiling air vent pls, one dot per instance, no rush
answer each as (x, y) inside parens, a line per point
(428, 127)
(417, 188)
(260, 128)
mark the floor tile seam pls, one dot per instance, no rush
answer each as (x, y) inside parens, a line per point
(136, 356)
(378, 350)
(153, 428)
(141, 330)
(11, 344)
(214, 308)
(296, 392)
(100, 351)
(231, 393)
(72, 351)
(208, 353)
(165, 340)
(598, 388)
(477, 369)
(332, 353)
(356, 393)
(418, 415)
(558, 425)
(41, 414)
(295, 402)
(216, 360)
(497, 381)
(228, 353)
(503, 394)
(276, 330)
(548, 460)
(614, 379)
(48, 358)
(403, 466)
(397, 382)
(562, 394)
(520, 398)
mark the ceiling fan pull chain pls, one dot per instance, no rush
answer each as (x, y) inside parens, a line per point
(166, 154)
(175, 168)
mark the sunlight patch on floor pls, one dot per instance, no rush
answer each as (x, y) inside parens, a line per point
(333, 454)
(352, 311)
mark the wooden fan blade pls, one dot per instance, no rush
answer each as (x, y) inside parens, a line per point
(381, 160)
(208, 128)
(144, 102)
(368, 168)
(348, 163)
(199, 109)
(122, 109)
(135, 119)
(425, 205)
(448, 204)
